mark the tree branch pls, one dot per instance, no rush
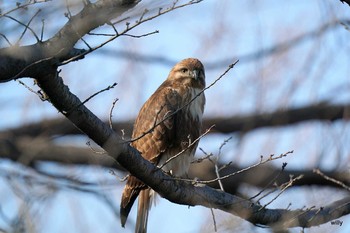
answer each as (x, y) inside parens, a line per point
(346, 1)
(29, 151)
(243, 58)
(242, 123)
(27, 61)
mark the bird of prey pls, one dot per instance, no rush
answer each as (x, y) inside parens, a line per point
(168, 123)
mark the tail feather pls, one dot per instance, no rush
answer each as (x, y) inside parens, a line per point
(131, 191)
(143, 210)
(126, 205)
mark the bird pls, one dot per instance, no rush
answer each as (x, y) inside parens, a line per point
(168, 126)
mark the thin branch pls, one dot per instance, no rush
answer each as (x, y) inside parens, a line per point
(24, 25)
(270, 183)
(207, 156)
(102, 152)
(271, 158)
(95, 94)
(185, 149)
(217, 158)
(30, 66)
(317, 171)
(214, 220)
(128, 28)
(42, 29)
(125, 34)
(7, 40)
(110, 113)
(27, 27)
(28, 88)
(23, 6)
(68, 14)
(285, 187)
(140, 36)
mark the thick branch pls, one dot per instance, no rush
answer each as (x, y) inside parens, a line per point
(27, 61)
(222, 124)
(28, 151)
(281, 117)
(346, 1)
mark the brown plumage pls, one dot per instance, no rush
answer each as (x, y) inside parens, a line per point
(179, 124)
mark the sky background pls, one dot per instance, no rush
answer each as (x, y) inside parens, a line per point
(218, 33)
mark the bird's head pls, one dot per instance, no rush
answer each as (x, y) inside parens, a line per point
(189, 72)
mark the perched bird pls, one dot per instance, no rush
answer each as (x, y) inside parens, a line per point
(169, 122)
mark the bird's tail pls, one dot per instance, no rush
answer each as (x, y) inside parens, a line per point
(131, 191)
(143, 209)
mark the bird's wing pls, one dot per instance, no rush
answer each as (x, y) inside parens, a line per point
(153, 134)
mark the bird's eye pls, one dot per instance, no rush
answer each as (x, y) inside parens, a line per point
(184, 70)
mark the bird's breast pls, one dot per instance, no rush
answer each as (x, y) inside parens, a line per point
(196, 107)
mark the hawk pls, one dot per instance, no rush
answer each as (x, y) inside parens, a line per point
(167, 126)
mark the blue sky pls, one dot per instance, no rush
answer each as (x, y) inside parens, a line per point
(313, 71)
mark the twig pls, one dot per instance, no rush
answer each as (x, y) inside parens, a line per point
(24, 25)
(90, 97)
(142, 15)
(88, 143)
(85, 42)
(191, 144)
(30, 89)
(99, 92)
(217, 170)
(111, 111)
(214, 220)
(27, 27)
(23, 6)
(317, 171)
(125, 34)
(270, 183)
(130, 27)
(68, 14)
(207, 156)
(140, 36)
(271, 158)
(31, 65)
(289, 184)
(7, 40)
(298, 215)
(42, 30)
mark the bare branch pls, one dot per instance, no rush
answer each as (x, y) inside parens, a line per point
(27, 27)
(285, 187)
(243, 58)
(317, 171)
(240, 123)
(110, 113)
(130, 27)
(60, 46)
(261, 162)
(99, 92)
(189, 146)
(140, 36)
(23, 6)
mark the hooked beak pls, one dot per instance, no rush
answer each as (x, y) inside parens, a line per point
(195, 74)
